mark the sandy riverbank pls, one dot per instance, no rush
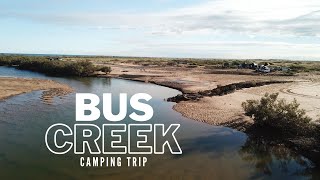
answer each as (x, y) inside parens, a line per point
(14, 86)
(223, 110)
(227, 111)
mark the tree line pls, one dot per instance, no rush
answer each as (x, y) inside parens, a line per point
(52, 67)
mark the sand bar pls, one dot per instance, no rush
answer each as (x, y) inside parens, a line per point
(223, 110)
(10, 86)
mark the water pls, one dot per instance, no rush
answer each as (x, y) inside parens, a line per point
(209, 152)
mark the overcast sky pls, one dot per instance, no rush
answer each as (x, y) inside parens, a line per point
(287, 29)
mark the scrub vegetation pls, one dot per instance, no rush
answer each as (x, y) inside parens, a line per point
(276, 120)
(277, 66)
(279, 115)
(53, 67)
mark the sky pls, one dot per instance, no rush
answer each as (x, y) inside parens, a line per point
(277, 29)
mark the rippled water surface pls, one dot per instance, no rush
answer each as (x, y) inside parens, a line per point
(209, 152)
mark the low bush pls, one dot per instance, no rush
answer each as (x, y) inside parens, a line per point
(277, 114)
(315, 68)
(192, 66)
(226, 65)
(171, 63)
(236, 63)
(298, 68)
(105, 69)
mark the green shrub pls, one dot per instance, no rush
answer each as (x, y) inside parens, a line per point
(171, 63)
(49, 67)
(289, 73)
(236, 63)
(105, 69)
(315, 68)
(226, 64)
(286, 118)
(192, 66)
(298, 68)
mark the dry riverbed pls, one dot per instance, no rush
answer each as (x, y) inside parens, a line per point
(223, 110)
(13, 86)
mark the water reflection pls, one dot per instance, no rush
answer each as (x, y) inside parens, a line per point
(275, 160)
(89, 82)
(215, 141)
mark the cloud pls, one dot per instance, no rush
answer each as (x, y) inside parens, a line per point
(216, 28)
(272, 17)
(221, 49)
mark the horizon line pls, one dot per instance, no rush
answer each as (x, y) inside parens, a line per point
(156, 57)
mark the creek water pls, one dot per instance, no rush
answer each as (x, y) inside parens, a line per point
(209, 152)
